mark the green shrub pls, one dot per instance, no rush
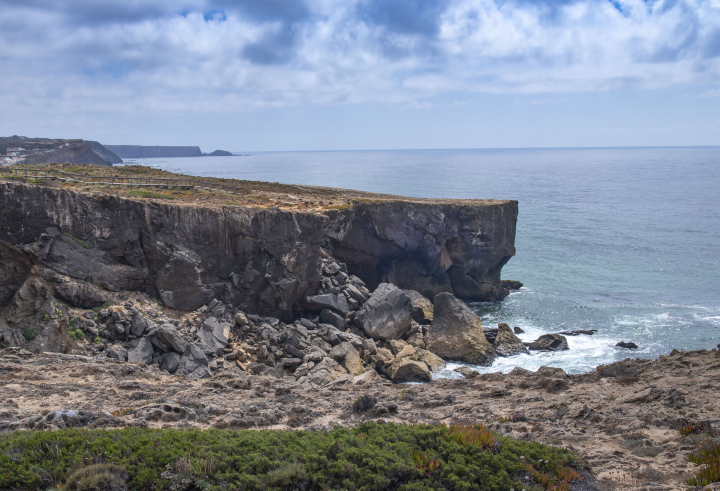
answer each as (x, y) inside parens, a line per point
(710, 470)
(29, 334)
(81, 242)
(97, 477)
(144, 193)
(371, 456)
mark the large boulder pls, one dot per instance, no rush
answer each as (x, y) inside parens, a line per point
(408, 370)
(456, 333)
(140, 324)
(326, 371)
(386, 314)
(422, 308)
(507, 343)
(214, 334)
(171, 362)
(433, 361)
(194, 363)
(141, 351)
(549, 342)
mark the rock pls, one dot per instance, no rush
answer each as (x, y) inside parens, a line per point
(116, 352)
(141, 352)
(81, 294)
(336, 303)
(549, 342)
(422, 308)
(456, 333)
(214, 334)
(356, 294)
(171, 362)
(140, 324)
(386, 314)
(433, 361)
(623, 344)
(352, 361)
(511, 284)
(417, 340)
(517, 330)
(194, 363)
(167, 333)
(369, 346)
(326, 371)
(578, 332)
(240, 320)
(407, 370)
(396, 345)
(506, 343)
(467, 372)
(369, 376)
(327, 316)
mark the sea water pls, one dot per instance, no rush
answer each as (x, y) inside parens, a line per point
(622, 240)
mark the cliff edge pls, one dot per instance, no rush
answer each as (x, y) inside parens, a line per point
(263, 259)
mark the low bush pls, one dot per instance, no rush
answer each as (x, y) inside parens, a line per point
(144, 193)
(710, 471)
(370, 456)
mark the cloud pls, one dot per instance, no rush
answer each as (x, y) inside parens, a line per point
(115, 56)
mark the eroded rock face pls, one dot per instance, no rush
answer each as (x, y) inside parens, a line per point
(266, 261)
(507, 343)
(386, 314)
(456, 333)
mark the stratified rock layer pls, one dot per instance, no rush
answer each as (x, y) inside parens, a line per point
(260, 260)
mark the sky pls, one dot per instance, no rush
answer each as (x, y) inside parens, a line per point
(275, 75)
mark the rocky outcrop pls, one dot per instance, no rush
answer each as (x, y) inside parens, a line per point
(386, 314)
(75, 152)
(456, 333)
(150, 152)
(549, 342)
(259, 260)
(505, 342)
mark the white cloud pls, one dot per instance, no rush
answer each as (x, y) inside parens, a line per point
(151, 57)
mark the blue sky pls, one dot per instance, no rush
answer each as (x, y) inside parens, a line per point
(362, 74)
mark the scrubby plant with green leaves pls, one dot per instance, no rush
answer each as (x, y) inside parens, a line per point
(368, 457)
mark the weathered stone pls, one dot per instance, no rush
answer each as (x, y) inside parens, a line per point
(506, 343)
(240, 320)
(167, 333)
(356, 294)
(116, 352)
(171, 362)
(352, 361)
(422, 308)
(214, 334)
(456, 333)
(369, 347)
(549, 342)
(329, 317)
(407, 370)
(333, 302)
(467, 372)
(417, 340)
(369, 376)
(141, 352)
(433, 361)
(326, 371)
(627, 345)
(194, 363)
(140, 324)
(517, 330)
(386, 314)
(511, 284)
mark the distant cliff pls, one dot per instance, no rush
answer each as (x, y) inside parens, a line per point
(147, 152)
(75, 152)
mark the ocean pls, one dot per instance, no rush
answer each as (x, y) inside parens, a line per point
(622, 240)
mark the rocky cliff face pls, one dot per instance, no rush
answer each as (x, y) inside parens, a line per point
(149, 152)
(76, 152)
(261, 260)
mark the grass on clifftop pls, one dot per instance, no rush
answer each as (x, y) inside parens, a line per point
(371, 456)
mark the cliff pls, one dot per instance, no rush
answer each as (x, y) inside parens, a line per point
(47, 150)
(149, 152)
(263, 260)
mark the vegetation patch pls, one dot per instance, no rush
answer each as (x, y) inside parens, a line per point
(144, 193)
(369, 457)
(81, 242)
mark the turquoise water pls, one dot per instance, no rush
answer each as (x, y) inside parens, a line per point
(625, 241)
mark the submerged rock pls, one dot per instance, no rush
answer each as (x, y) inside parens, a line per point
(456, 333)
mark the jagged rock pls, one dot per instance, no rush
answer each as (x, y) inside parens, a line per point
(369, 376)
(407, 352)
(194, 363)
(517, 330)
(417, 340)
(506, 343)
(167, 333)
(140, 324)
(549, 342)
(81, 294)
(348, 356)
(171, 362)
(467, 372)
(422, 308)
(511, 284)
(628, 345)
(433, 361)
(395, 345)
(386, 314)
(240, 320)
(356, 294)
(116, 352)
(383, 356)
(214, 334)
(456, 333)
(578, 332)
(407, 370)
(141, 352)
(326, 371)
(329, 317)
(330, 301)
(369, 346)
